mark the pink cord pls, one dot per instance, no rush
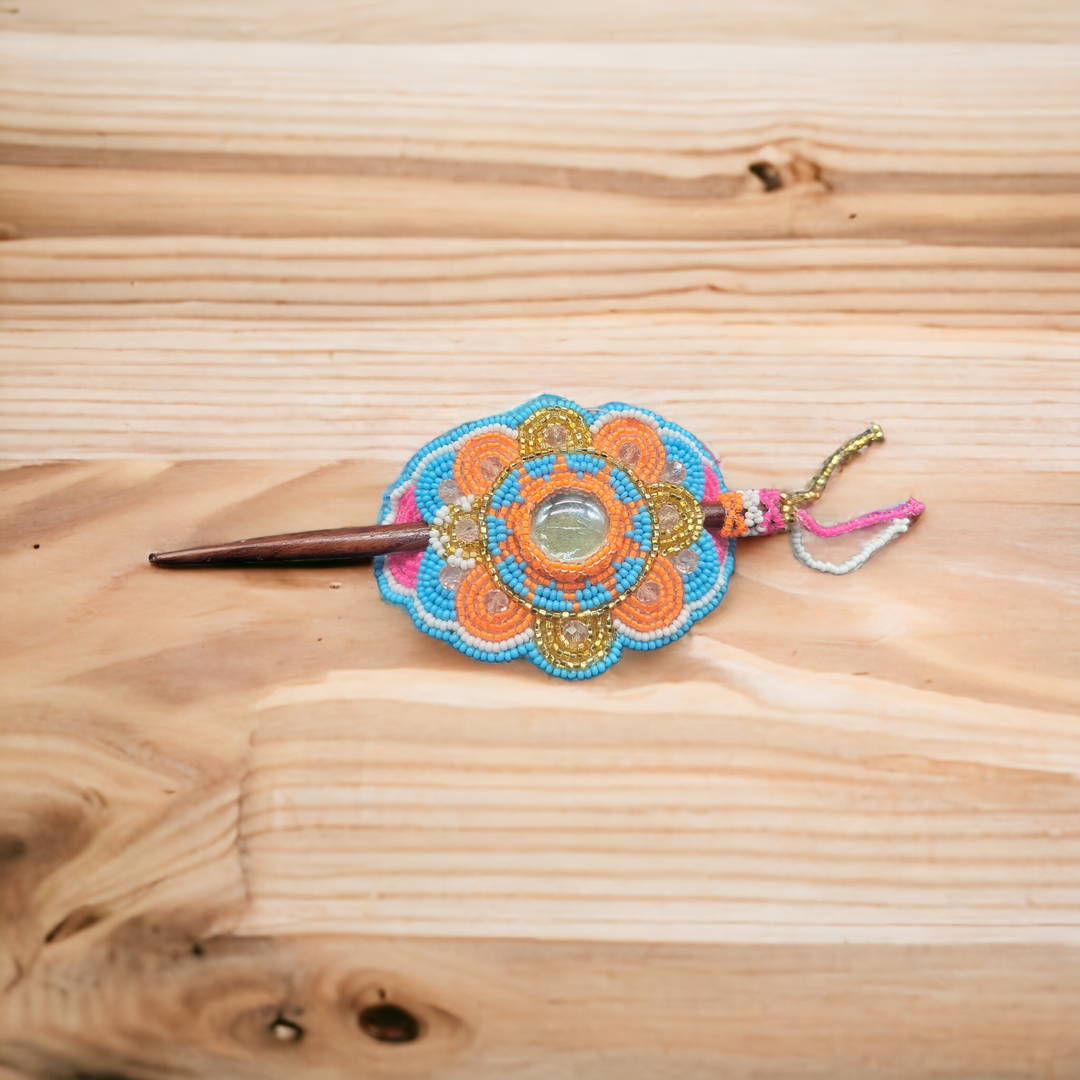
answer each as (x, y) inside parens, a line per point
(912, 508)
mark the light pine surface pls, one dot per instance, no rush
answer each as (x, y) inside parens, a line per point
(255, 255)
(925, 142)
(409, 21)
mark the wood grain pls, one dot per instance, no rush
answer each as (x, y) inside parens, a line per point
(486, 1013)
(340, 21)
(328, 348)
(830, 834)
(101, 135)
(853, 794)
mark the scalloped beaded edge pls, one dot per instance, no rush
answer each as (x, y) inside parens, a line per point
(705, 586)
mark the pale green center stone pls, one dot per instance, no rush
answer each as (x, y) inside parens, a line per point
(569, 526)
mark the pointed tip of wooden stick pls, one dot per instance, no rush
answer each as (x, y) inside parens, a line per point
(169, 558)
(172, 558)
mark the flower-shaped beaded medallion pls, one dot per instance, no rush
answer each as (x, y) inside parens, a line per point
(560, 534)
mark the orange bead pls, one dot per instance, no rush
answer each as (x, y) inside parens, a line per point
(734, 518)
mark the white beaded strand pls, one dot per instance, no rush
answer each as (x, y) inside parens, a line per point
(887, 535)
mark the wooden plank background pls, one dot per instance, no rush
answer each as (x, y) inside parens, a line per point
(254, 254)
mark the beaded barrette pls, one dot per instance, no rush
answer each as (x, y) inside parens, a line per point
(565, 534)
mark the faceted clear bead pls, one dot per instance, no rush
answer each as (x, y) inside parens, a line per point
(629, 454)
(648, 593)
(449, 491)
(450, 577)
(686, 561)
(556, 436)
(674, 472)
(495, 601)
(466, 530)
(490, 467)
(577, 633)
(667, 516)
(569, 526)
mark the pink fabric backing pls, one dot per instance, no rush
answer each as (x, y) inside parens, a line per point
(405, 565)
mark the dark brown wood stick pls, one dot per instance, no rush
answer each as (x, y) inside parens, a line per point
(327, 545)
(715, 513)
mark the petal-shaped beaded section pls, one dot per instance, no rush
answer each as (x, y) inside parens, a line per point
(678, 515)
(486, 612)
(482, 459)
(635, 444)
(656, 603)
(502, 595)
(579, 645)
(554, 427)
